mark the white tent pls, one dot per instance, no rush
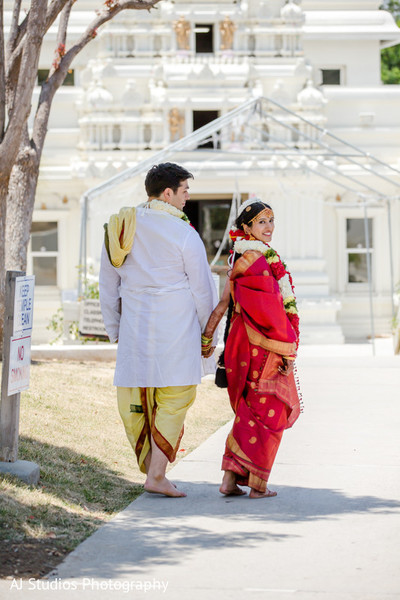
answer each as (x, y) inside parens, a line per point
(275, 139)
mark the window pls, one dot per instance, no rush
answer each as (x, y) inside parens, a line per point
(44, 252)
(295, 132)
(356, 248)
(204, 39)
(42, 75)
(201, 118)
(331, 76)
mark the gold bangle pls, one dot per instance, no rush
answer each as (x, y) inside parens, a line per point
(205, 339)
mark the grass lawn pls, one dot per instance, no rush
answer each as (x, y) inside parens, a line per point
(70, 426)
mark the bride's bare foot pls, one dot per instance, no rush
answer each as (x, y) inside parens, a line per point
(266, 494)
(234, 491)
(229, 486)
(164, 487)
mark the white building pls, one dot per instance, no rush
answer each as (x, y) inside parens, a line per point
(150, 78)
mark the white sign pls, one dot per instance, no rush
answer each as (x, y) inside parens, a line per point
(20, 362)
(91, 319)
(23, 305)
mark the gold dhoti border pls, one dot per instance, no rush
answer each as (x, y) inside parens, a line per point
(157, 412)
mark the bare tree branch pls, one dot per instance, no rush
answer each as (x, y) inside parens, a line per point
(16, 48)
(19, 155)
(103, 17)
(57, 6)
(61, 36)
(2, 76)
(64, 19)
(54, 10)
(52, 13)
(26, 81)
(56, 79)
(14, 27)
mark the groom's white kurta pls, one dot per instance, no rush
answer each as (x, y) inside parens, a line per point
(158, 302)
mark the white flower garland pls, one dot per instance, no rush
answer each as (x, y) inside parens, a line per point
(241, 245)
(168, 208)
(286, 290)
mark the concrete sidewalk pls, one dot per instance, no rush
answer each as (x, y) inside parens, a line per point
(333, 531)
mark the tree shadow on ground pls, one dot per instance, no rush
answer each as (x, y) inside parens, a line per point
(40, 525)
(79, 477)
(155, 530)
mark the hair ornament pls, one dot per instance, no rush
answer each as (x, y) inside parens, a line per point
(267, 213)
(248, 203)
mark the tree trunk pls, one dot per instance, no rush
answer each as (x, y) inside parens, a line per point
(17, 192)
(20, 202)
(17, 197)
(3, 215)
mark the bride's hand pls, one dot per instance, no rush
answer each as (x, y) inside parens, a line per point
(287, 367)
(208, 353)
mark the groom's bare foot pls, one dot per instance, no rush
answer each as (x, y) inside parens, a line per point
(164, 487)
(267, 494)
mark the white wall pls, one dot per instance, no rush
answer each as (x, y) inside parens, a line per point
(359, 59)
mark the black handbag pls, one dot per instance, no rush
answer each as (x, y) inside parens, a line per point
(220, 374)
(220, 377)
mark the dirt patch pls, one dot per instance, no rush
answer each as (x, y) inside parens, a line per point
(30, 558)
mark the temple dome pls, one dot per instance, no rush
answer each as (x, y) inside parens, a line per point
(292, 13)
(310, 97)
(132, 96)
(279, 93)
(98, 98)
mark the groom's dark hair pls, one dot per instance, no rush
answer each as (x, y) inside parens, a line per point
(165, 175)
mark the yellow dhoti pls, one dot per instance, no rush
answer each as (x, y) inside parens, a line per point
(158, 412)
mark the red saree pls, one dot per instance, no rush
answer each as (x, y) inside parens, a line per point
(264, 401)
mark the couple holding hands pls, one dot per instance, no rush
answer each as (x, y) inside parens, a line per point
(159, 301)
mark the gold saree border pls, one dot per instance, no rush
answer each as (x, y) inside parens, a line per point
(232, 445)
(257, 483)
(245, 262)
(240, 267)
(257, 339)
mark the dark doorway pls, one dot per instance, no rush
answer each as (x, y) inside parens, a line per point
(201, 118)
(192, 211)
(204, 38)
(209, 217)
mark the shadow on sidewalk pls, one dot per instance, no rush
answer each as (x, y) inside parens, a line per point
(291, 504)
(155, 530)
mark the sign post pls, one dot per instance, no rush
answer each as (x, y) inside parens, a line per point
(18, 320)
(91, 319)
(20, 342)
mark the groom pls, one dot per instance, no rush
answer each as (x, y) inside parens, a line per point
(156, 293)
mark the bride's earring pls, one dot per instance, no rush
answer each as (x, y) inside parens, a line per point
(248, 232)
